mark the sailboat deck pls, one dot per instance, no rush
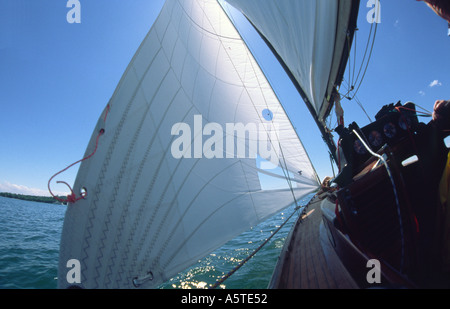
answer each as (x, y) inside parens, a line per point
(303, 263)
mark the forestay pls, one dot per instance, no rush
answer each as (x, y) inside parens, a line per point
(194, 149)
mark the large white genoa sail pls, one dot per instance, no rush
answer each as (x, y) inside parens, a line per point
(194, 141)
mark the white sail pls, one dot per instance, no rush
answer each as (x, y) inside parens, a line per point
(193, 136)
(309, 37)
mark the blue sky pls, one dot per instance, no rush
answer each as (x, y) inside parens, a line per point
(56, 77)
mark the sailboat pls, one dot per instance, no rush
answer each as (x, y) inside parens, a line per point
(194, 148)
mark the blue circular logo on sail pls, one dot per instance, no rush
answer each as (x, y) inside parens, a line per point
(267, 114)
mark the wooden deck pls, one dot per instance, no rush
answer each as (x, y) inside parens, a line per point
(303, 263)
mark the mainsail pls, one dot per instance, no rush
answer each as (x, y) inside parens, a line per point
(312, 40)
(184, 154)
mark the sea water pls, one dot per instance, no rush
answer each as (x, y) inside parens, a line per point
(30, 233)
(29, 243)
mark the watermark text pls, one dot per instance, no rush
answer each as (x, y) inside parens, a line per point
(74, 273)
(74, 14)
(233, 140)
(374, 274)
(374, 14)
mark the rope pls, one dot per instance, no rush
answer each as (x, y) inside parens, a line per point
(423, 114)
(72, 198)
(229, 274)
(362, 107)
(395, 194)
(368, 59)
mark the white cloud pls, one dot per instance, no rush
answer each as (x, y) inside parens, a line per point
(20, 189)
(422, 93)
(435, 83)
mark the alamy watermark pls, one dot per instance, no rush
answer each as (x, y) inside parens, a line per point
(233, 140)
(74, 273)
(374, 14)
(374, 274)
(74, 14)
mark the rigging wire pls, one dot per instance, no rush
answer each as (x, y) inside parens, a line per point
(284, 168)
(358, 101)
(362, 107)
(242, 263)
(282, 163)
(368, 61)
(354, 50)
(282, 160)
(355, 83)
(369, 39)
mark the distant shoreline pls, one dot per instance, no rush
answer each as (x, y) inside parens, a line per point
(32, 198)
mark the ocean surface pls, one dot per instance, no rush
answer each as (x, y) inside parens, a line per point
(29, 247)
